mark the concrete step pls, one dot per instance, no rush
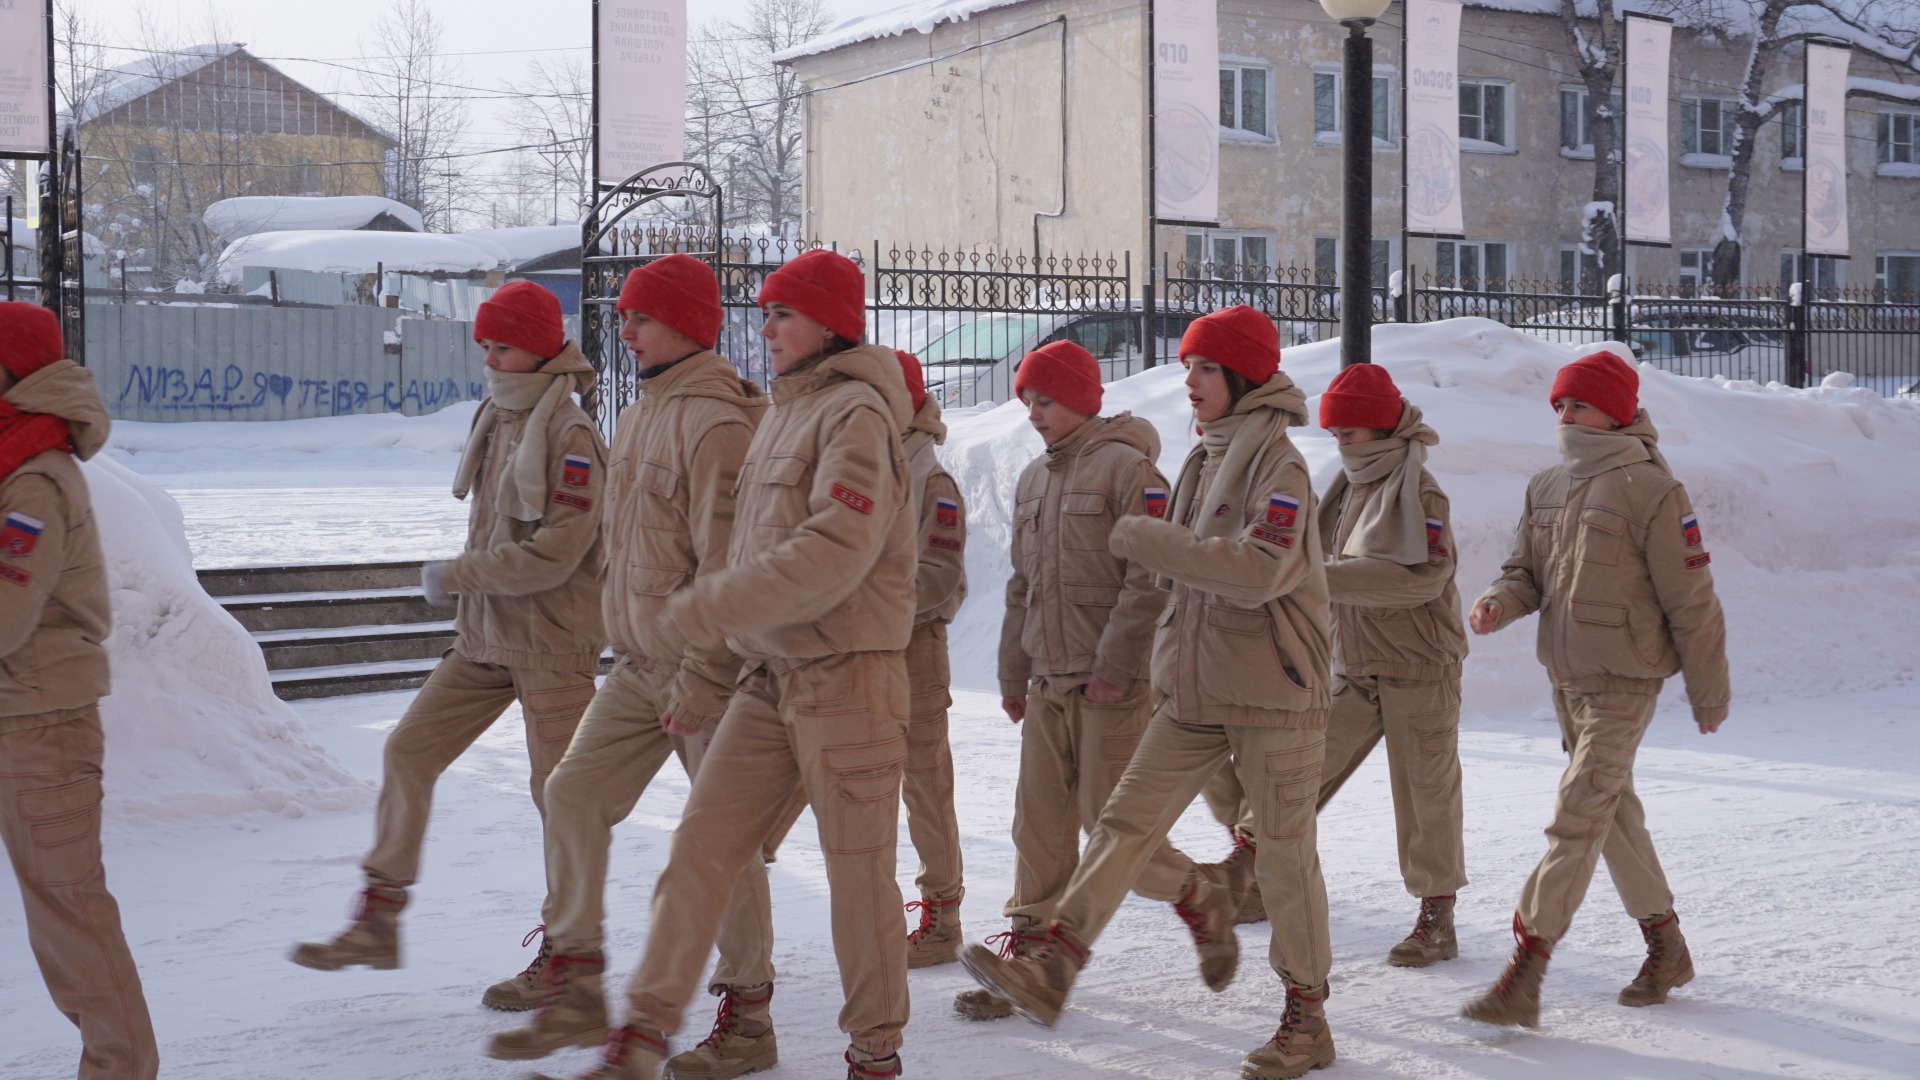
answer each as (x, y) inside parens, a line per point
(285, 649)
(275, 580)
(338, 680)
(333, 610)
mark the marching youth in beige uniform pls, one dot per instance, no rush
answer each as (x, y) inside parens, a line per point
(1398, 640)
(54, 618)
(1240, 675)
(1610, 554)
(527, 626)
(670, 511)
(818, 598)
(1075, 640)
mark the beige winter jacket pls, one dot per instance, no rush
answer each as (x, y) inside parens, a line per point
(940, 586)
(1388, 618)
(676, 458)
(1074, 608)
(529, 591)
(54, 617)
(1610, 554)
(1244, 640)
(822, 556)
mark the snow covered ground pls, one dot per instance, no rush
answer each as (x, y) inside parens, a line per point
(1792, 838)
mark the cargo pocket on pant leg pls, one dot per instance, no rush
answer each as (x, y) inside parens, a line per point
(556, 712)
(863, 805)
(1293, 784)
(65, 823)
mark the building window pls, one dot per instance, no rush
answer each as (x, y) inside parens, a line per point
(1243, 98)
(1896, 279)
(1580, 272)
(1696, 266)
(1327, 108)
(1229, 256)
(1894, 137)
(1824, 272)
(1706, 126)
(1326, 261)
(1576, 121)
(1483, 115)
(145, 165)
(1790, 129)
(1479, 265)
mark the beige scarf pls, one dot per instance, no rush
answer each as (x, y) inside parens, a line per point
(1590, 451)
(1240, 440)
(1392, 526)
(521, 486)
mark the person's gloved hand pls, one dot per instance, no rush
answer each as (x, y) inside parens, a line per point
(430, 575)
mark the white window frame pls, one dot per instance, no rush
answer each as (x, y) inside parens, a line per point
(1450, 276)
(1693, 281)
(1896, 142)
(1792, 133)
(1694, 156)
(1503, 144)
(1332, 277)
(1584, 149)
(1580, 259)
(1880, 274)
(1382, 74)
(1208, 239)
(1235, 132)
(1831, 290)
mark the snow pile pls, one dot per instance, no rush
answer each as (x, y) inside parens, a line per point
(194, 730)
(443, 431)
(329, 251)
(528, 243)
(1805, 498)
(234, 219)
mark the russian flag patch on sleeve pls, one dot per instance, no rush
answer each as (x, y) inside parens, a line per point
(20, 533)
(1690, 528)
(1281, 510)
(946, 512)
(1156, 500)
(576, 470)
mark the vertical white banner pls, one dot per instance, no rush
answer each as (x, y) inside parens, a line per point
(1433, 117)
(1826, 150)
(1186, 110)
(24, 124)
(1648, 194)
(641, 104)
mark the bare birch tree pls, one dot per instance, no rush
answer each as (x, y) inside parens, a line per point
(1596, 46)
(410, 93)
(555, 114)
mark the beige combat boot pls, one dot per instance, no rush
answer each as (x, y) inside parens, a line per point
(937, 940)
(980, 1004)
(1246, 887)
(1515, 996)
(1432, 939)
(631, 1053)
(864, 1066)
(372, 941)
(574, 1013)
(1036, 984)
(525, 990)
(1207, 906)
(1668, 963)
(741, 1042)
(1301, 1043)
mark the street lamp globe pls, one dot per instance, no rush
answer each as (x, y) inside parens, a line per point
(1352, 11)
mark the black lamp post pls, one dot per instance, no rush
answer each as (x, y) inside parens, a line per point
(1356, 143)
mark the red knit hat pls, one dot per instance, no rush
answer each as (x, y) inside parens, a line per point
(680, 291)
(1064, 372)
(29, 338)
(1602, 380)
(1362, 396)
(1237, 338)
(826, 287)
(916, 382)
(525, 315)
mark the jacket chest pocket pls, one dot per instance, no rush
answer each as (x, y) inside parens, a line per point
(778, 491)
(657, 497)
(1601, 534)
(1086, 520)
(1026, 535)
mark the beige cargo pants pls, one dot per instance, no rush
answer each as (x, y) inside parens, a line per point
(457, 703)
(835, 728)
(927, 788)
(1420, 722)
(50, 818)
(614, 756)
(1174, 762)
(1595, 815)
(1072, 753)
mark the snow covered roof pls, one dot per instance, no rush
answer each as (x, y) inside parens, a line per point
(130, 82)
(337, 252)
(529, 244)
(233, 219)
(921, 15)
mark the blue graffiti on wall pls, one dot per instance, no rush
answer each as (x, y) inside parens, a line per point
(232, 389)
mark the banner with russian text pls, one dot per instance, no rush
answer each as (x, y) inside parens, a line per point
(1648, 190)
(1186, 111)
(1826, 152)
(640, 97)
(24, 124)
(1433, 118)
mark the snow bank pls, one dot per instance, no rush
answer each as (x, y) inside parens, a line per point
(442, 431)
(246, 215)
(347, 252)
(1806, 498)
(194, 730)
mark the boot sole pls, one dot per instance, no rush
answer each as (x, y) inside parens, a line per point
(589, 1037)
(935, 961)
(503, 1003)
(976, 1012)
(754, 1065)
(1427, 961)
(1497, 1021)
(1685, 978)
(1277, 1074)
(382, 964)
(1038, 1016)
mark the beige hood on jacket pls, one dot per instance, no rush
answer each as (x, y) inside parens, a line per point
(66, 390)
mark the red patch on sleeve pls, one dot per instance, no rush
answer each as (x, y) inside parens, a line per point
(14, 574)
(1437, 549)
(1695, 562)
(1261, 532)
(568, 498)
(853, 498)
(947, 542)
